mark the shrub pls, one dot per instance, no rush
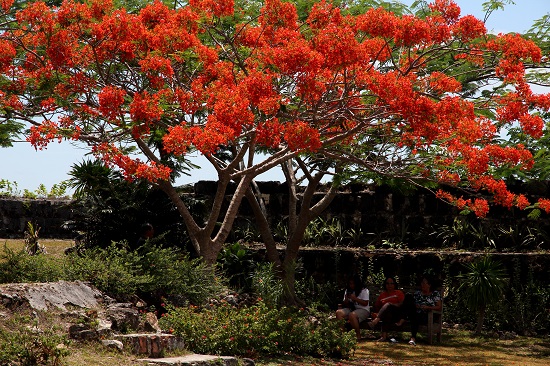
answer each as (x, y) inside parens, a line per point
(113, 270)
(23, 344)
(235, 261)
(257, 330)
(119, 272)
(171, 272)
(483, 283)
(18, 266)
(266, 285)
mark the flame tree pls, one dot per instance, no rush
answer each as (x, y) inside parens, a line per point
(143, 90)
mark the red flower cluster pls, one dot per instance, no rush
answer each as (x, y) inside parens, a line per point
(132, 168)
(274, 81)
(111, 99)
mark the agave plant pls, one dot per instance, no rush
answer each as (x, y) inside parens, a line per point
(482, 283)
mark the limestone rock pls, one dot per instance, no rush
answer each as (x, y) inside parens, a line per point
(151, 323)
(123, 316)
(83, 332)
(113, 344)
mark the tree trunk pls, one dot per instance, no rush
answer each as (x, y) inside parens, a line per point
(480, 319)
(288, 278)
(205, 245)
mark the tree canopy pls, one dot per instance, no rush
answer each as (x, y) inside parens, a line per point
(414, 97)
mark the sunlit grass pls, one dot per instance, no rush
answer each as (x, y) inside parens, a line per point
(457, 348)
(54, 247)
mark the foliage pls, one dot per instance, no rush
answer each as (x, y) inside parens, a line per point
(32, 246)
(325, 232)
(323, 296)
(114, 270)
(374, 278)
(24, 344)
(258, 330)
(235, 261)
(19, 266)
(173, 273)
(119, 272)
(10, 189)
(110, 208)
(266, 284)
(525, 309)
(150, 269)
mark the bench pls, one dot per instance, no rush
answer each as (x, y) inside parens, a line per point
(435, 318)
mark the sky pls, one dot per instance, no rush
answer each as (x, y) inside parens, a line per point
(30, 168)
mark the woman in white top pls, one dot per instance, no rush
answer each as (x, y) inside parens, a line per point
(355, 307)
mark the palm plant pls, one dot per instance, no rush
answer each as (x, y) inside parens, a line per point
(482, 284)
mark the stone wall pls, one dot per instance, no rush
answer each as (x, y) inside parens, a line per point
(49, 215)
(375, 210)
(378, 211)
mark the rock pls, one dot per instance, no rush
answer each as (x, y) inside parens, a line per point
(104, 327)
(44, 296)
(152, 345)
(123, 316)
(231, 300)
(198, 360)
(113, 344)
(508, 335)
(83, 332)
(151, 323)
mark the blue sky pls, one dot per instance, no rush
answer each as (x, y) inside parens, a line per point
(30, 168)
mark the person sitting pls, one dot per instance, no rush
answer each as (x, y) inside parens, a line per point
(417, 306)
(355, 307)
(388, 307)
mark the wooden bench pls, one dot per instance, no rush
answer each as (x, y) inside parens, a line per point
(432, 328)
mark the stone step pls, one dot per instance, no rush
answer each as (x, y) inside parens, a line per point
(198, 360)
(152, 345)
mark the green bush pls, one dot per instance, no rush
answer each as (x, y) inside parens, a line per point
(118, 271)
(23, 344)
(151, 269)
(266, 285)
(113, 270)
(19, 266)
(257, 330)
(171, 272)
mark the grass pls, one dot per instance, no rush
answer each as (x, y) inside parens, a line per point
(458, 347)
(54, 247)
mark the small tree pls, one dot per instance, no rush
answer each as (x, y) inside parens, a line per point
(482, 284)
(32, 246)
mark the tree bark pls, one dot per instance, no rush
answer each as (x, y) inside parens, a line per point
(480, 319)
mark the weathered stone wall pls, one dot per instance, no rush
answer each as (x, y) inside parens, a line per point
(378, 211)
(49, 215)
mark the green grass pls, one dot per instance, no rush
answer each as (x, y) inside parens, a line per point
(54, 247)
(457, 348)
